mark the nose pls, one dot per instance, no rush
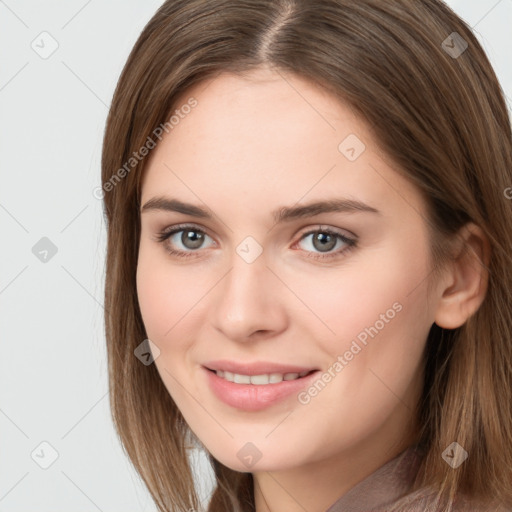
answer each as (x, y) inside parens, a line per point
(249, 302)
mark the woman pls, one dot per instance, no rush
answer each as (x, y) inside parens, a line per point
(308, 259)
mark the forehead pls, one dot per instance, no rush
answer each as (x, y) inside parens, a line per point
(271, 138)
(264, 109)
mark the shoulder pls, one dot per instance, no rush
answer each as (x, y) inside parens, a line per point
(421, 501)
(463, 503)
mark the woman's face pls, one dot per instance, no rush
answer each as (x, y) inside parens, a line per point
(282, 271)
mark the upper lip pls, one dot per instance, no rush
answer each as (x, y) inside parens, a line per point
(255, 368)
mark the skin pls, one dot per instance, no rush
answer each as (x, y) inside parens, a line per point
(250, 146)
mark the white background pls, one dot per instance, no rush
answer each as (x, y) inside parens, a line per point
(53, 371)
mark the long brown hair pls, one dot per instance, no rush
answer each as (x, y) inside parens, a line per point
(414, 71)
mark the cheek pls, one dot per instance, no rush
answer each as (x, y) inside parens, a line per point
(377, 303)
(344, 303)
(378, 314)
(169, 307)
(163, 295)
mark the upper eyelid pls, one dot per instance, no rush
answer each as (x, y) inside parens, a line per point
(304, 231)
(183, 227)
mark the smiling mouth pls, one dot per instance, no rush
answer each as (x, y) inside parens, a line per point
(262, 379)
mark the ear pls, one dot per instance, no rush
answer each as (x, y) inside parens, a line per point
(464, 286)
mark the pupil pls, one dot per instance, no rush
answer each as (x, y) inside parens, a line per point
(192, 239)
(324, 237)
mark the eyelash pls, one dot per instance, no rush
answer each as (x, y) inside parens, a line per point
(164, 235)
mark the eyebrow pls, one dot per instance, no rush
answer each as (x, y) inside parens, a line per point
(283, 214)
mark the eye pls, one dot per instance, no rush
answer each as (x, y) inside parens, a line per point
(184, 241)
(325, 240)
(187, 238)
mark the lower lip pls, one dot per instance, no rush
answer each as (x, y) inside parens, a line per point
(252, 397)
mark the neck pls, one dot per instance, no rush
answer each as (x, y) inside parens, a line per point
(316, 486)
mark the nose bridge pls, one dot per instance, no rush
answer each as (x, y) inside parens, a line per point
(247, 300)
(244, 284)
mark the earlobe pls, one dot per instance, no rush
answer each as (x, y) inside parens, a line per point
(467, 279)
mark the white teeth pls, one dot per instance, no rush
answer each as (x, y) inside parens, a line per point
(275, 377)
(241, 379)
(259, 380)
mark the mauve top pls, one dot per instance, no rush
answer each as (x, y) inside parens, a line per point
(389, 485)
